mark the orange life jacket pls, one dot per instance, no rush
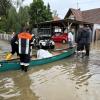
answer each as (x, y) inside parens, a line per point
(24, 42)
(25, 35)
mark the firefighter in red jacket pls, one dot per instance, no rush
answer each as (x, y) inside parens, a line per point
(24, 40)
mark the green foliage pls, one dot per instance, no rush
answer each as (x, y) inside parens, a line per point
(49, 13)
(23, 15)
(4, 7)
(3, 23)
(39, 12)
(12, 19)
(17, 3)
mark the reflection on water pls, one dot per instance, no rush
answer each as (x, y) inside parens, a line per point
(80, 71)
(69, 79)
(14, 85)
(51, 84)
(8, 88)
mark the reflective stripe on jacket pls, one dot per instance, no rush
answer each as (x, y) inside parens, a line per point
(24, 39)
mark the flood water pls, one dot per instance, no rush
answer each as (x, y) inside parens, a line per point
(72, 78)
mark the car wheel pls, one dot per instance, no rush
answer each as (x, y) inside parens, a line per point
(40, 45)
(63, 41)
(52, 47)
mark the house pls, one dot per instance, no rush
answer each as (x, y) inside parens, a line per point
(90, 16)
(73, 18)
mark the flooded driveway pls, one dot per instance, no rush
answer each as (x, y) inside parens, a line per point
(68, 79)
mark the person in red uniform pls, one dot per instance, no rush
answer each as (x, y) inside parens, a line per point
(24, 40)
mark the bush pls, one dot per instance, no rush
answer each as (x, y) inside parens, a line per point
(2, 31)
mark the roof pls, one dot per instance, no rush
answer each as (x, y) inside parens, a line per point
(92, 15)
(56, 18)
(76, 12)
(62, 22)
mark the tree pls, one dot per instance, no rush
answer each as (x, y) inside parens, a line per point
(49, 13)
(17, 3)
(16, 19)
(55, 13)
(3, 22)
(39, 12)
(23, 15)
(12, 20)
(4, 7)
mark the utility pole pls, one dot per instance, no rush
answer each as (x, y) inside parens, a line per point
(77, 4)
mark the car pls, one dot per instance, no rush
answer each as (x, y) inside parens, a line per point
(44, 40)
(60, 37)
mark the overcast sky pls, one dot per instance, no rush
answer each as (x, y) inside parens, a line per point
(62, 6)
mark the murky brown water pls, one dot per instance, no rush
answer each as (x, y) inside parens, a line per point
(69, 79)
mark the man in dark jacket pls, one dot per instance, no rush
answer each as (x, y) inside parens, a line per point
(83, 39)
(14, 45)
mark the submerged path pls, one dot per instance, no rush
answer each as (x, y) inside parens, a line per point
(68, 79)
(4, 45)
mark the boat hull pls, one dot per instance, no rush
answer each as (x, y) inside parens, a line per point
(15, 65)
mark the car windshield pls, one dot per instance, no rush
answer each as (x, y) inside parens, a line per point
(45, 36)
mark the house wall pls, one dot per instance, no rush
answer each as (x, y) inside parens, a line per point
(96, 32)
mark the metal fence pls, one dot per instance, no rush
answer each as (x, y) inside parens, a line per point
(6, 37)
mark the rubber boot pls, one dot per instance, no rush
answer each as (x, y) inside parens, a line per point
(25, 68)
(22, 67)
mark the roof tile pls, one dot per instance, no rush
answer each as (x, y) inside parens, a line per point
(92, 15)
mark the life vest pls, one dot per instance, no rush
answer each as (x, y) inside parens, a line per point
(24, 42)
